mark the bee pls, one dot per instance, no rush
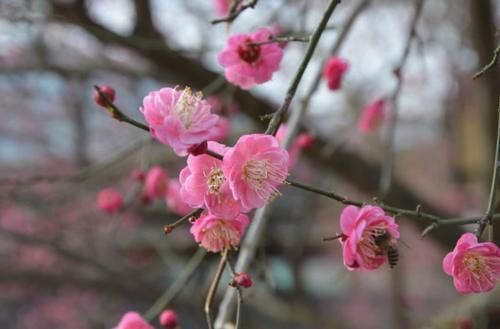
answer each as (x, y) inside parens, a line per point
(386, 246)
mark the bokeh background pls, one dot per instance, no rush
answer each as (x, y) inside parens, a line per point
(65, 264)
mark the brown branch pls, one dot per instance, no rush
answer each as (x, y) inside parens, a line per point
(279, 115)
(388, 164)
(488, 66)
(213, 287)
(233, 14)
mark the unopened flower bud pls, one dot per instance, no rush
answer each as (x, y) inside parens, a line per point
(243, 279)
(137, 175)
(167, 229)
(108, 92)
(168, 319)
(198, 149)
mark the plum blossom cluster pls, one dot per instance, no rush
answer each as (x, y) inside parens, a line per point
(246, 178)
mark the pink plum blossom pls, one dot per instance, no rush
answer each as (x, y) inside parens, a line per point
(372, 116)
(254, 168)
(109, 200)
(204, 184)
(360, 229)
(475, 266)
(215, 233)
(301, 142)
(334, 71)
(246, 64)
(168, 319)
(178, 118)
(174, 199)
(156, 182)
(133, 320)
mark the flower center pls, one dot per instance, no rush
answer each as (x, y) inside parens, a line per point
(255, 171)
(221, 235)
(248, 52)
(263, 177)
(215, 179)
(474, 263)
(186, 106)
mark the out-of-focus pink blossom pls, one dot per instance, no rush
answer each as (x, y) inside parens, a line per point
(155, 185)
(109, 200)
(301, 142)
(137, 175)
(106, 90)
(168, 319)
(222, 6)
(334, 71)
(205, 186)
(178, 118)
(246, 64)
(255, 167)
(475, 266)
(305, 140)
(372, 116)
(216, 233)
(243, 279)
(174, 199)
(362, 228)
(133, 320)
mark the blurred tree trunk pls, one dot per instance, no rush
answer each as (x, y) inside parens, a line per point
(487, 87)
(76, 104)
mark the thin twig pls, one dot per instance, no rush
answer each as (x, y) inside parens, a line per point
(488, 66)
(280, 39)
(239, 301)
(118, 114)
(332, 238)
(488, 216)
(161, 303)
(234, 14)
(170, 227)
(279, 115)
(81, 174)
(213, 287)
(417, 213)
(388, 164)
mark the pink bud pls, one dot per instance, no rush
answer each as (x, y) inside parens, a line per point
(168, 319)
(243, 279)
(305, 140)
(198, 149)
(109, 200)
(137, 175)
(334, 71)
(106, 90)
